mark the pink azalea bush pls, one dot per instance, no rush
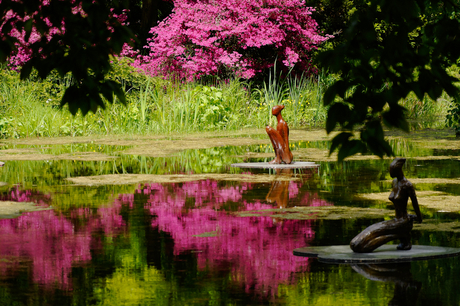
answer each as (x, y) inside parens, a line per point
(240, 37)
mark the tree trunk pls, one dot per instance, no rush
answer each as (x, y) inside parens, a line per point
(149, 16)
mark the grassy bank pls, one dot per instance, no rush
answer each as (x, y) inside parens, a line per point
(155, 106)
(31, 107)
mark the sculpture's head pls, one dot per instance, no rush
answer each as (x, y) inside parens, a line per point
(396, 166)
(277, 109)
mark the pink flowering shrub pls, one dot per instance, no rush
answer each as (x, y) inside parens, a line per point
(239, 37)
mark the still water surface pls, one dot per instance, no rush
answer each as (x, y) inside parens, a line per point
(191, 243)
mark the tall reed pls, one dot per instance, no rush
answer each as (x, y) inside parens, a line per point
(30, 107)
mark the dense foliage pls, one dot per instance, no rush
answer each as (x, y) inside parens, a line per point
(390, 49)
(74, 37)
(235, 37)
(153, 105)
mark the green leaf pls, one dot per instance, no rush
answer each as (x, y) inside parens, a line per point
(329, 95)
(349, 148)
(373, 136)
(337, 113)
(394, 117)
(106, 92)
(117, 89)
(28, 29)
(71, 97)
(338, 88)
(339, 140)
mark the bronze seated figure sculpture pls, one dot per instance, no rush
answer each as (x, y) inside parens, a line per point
(397, 229)
(280, 138)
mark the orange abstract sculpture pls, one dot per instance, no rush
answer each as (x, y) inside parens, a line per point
(280, 138)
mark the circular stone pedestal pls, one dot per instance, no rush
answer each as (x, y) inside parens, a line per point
(293, 165)
(384, 254)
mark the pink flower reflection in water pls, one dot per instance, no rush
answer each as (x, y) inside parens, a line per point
(49, 241)
(258, 249)
(18, 195)
(52, 245)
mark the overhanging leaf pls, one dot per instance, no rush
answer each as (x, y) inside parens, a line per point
(337, 113)
(339, 140)
(349, 148)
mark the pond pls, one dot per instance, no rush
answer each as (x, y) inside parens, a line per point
(121, 225)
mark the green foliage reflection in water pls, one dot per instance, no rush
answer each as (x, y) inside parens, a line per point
(133, 281)
(339, 182)
(52, 172)
(132, 278)
(336, 285)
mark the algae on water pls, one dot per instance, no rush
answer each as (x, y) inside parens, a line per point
(436, 200)
(122, 179)
(10, 209)
(319, 212)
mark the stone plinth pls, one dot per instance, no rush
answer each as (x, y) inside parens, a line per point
(294, 165)
(384, 254)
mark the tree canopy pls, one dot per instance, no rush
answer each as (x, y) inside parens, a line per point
(74, 37)
(389, 49)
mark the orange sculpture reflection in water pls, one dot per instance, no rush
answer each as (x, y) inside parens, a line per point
(279, 190)
(280, 138)
(283, 189)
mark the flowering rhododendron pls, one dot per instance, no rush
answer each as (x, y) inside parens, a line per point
(23, 52)
(241, 37)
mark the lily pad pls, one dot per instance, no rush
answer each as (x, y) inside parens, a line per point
(33, 156)
(383, 196)
(437, 200)
(86, 156)
(436, 226)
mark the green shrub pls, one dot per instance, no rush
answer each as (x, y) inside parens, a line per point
(155, 105)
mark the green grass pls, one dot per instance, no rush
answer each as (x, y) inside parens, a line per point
(30, 107)
(156, 106)
(427, 113)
